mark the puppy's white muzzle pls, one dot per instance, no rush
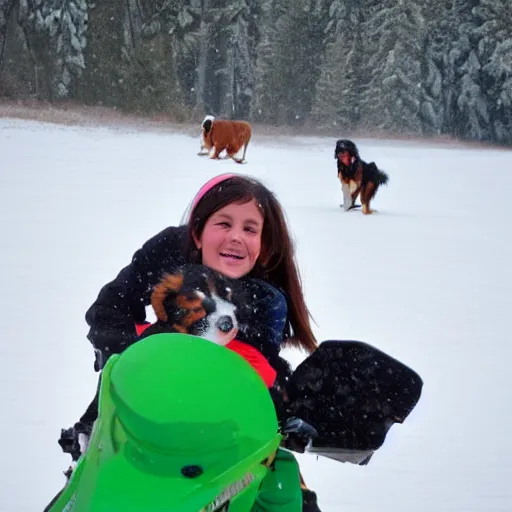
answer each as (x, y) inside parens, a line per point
(222, 323)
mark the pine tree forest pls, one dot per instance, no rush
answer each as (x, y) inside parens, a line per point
(401, 67)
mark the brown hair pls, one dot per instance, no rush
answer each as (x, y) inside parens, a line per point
(276, 263)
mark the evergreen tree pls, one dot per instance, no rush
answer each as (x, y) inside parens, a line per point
(466, 107)
(339, 86)
(494, 35)
(102, 77)
(157, 75)
(393, 98)
(55, 32)
(6, 6)
(231, 74)
(291, 65)
(440, 31)
(268, 92)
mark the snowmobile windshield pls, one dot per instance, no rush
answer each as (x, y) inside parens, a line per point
(189, 406)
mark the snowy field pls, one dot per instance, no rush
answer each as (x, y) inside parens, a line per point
(426, 279)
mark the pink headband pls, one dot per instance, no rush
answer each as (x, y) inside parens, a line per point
(208, 186)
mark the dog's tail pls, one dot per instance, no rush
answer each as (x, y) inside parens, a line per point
(381, 178)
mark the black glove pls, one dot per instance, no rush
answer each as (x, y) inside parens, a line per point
(299, 434)
(69, 441)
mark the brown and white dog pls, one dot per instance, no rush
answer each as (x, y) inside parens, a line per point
(356, 176)
(218, 135)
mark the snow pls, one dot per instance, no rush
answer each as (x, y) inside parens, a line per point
(426, 279)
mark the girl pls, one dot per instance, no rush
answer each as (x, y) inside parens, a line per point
(237, 227)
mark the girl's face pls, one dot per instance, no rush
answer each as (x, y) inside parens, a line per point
(231, 239)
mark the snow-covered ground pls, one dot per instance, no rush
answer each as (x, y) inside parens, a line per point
(427, 279)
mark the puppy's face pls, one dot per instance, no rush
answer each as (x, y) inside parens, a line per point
(197, 300)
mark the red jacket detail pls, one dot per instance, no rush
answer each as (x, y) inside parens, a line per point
(253, 356)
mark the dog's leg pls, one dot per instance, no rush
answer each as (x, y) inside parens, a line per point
(347, 199)
(214, 154)
(202, 146)
(237, 154)
(221, 156)
(245, 149)
(354, 192)
(367, 194)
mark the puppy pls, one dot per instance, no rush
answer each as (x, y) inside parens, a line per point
(195, 300)
(356, 176)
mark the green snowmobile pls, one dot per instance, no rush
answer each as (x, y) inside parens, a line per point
(185, 425)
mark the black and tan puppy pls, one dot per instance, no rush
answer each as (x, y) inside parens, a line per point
(195, 300)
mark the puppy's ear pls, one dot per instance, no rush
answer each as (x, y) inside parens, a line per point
(163, 292)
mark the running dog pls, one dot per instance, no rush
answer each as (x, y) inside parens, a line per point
(218, 135)
(356, 176)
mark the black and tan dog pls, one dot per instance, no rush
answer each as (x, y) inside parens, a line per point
(357, 177)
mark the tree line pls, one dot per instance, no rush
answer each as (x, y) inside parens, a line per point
(394, 66)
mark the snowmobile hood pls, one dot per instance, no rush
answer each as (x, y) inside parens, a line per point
(190, 401)
(183, 425)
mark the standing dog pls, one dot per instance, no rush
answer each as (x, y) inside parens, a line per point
(219, 135)
(356, 176)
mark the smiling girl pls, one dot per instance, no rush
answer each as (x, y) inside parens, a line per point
(237, 227)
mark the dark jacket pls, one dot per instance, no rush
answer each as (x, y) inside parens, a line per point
(261, 308)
